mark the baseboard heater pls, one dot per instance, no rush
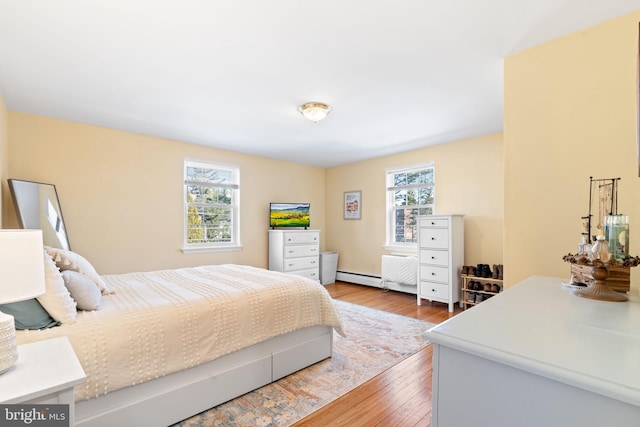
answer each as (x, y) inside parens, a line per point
(358, 278)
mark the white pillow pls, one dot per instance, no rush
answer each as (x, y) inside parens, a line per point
(56, 300)
(82, 289)
(68, 260)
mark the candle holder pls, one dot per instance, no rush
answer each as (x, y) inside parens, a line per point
(599, 289)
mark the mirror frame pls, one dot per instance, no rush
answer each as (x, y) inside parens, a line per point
(22, 210)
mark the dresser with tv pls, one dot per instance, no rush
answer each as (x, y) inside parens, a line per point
(295, 252)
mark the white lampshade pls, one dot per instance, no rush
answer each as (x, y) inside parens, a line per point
(21, 265)
(22, 272)
(314, 111)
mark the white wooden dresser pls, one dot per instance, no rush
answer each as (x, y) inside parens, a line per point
(440, 258)
(537, 355)
(295, 252)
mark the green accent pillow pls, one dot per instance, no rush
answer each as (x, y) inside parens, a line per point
(29, 314)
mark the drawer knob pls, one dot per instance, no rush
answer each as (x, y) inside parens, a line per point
(433, 238)
(433, 290)
(433, 274)
(433, 223)
(433, 257)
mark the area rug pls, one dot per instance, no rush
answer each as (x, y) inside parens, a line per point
(375, 341)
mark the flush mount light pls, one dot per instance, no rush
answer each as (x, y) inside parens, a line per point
(314, 111)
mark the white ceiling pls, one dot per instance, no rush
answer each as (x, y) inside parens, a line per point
(230, 74)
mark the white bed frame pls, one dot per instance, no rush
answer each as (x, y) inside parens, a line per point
(173, 398)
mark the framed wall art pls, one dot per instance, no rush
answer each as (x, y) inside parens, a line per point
(352, 205)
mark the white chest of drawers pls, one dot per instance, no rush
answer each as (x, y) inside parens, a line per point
(440, 257)
(537, 355)
(295, 252)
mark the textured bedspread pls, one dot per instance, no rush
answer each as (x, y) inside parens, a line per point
(165, 321)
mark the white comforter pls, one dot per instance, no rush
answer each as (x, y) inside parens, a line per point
(165, 321)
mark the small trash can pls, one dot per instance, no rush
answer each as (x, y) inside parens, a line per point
(328, 267)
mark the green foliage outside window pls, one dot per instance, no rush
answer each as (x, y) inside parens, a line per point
(412, 194)
(194, 222)
(210, 204)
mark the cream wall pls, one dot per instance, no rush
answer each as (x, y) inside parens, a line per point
(469, 181)
(570, 113)
(4, 153)
(122, 194)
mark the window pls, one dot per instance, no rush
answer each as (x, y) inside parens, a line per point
(410, 192)
(212, 204)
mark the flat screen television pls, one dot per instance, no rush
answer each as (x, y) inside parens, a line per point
(289, 215)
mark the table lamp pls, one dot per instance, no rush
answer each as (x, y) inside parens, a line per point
(21, 278)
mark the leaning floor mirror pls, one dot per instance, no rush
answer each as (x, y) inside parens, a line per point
(37, 207)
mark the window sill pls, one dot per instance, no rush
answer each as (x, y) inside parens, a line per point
(204, 250)
(395, 248)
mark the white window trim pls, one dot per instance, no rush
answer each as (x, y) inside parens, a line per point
(198, 248)
(400, 247)
(206, 250)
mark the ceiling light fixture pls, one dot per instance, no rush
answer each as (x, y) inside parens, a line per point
(314, 111)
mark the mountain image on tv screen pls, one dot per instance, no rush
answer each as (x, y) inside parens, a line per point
(289, 215)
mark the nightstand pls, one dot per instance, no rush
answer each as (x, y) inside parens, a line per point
(45, 373)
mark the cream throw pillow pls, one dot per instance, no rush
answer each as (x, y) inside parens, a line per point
(68, 260)
(82, 289)
(56, 299)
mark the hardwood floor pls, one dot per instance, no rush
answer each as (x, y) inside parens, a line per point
(400, 396)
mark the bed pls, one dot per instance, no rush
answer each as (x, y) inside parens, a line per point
(166, 345)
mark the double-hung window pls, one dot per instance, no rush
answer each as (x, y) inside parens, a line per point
(410, 192)
(212, 206)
